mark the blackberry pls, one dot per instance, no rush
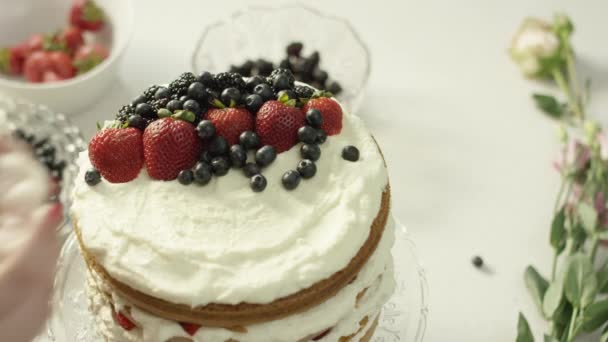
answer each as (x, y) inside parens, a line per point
(288, 75)
(124, 113)
(180, 85)
(159, 104)
(304, 92)
(229, 80)
(150, 92)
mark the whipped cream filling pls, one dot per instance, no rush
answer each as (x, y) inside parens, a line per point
(223, 243)
(342, 313)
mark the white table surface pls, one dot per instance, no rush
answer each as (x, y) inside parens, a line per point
(468, 154)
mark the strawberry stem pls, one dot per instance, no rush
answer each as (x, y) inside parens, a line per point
(217, 104)
(321, 93)
(184, 115)
(92, 12)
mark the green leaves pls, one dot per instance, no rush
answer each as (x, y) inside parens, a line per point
(523, 330)
(553, 299)
(549, 105)
(580, 281)
(602, 279)
(550, 339)
(588, 217)
(595, 316)
(537, 286)
(558, 231)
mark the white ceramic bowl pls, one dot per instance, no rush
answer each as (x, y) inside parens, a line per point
(20, 19)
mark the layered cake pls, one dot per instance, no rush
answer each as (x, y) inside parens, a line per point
(219, 209)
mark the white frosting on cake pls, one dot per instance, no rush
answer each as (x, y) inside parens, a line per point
(222, 242)
(341, 313)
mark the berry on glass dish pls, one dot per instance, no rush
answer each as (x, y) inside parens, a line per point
(200, 127)
(52, 57)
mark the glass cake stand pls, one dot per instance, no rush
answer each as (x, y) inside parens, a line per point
(403, 318)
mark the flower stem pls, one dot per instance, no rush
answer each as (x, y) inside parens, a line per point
(594, 246)
(559, 78)
(570, 336)
(554, 265)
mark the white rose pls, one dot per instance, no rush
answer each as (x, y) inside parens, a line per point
(534, 46)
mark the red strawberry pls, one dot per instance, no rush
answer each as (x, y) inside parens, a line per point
(89, 56)
(190, 328)
(331, 112)
(277, 125)
(170, 146)
(123, 321)
(231, 122)
(71, 38)
(34, 43)
(42, 65)
(12, 60)
(117, 153)
(86, 15)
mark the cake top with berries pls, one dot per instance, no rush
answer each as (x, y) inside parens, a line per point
(198, 188)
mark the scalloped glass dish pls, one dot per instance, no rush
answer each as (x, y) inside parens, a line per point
(403, 318)
(44, 123)
(264, 32)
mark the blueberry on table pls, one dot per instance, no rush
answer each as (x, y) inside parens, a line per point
(258, 183)
(220, 166)
(230, 96)
(253, 81)
(206, 78)
(175, 105)
(265, 155)
(249, 140)
(310, 151)
(162, 93)
(307, 135)
(145, 110)
(192, 106)
(185, 177)
(321, 136)
(350, 153)
(202, 173)
(92, 177)
(238, 156)
(334, 87)
(197, 91)
(291, 179)
(307, 168)
(205, 129)
(314, 118)
(281, 82)
(251, 169)
(137, 121)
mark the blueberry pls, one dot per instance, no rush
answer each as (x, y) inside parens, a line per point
(258, 183)
(264, 67)
(350, 153)
(290, 94)
(230, 97)
(251, 169)
(281, 82)
(184, 98)
(310, 151)
(238, 156)
(249, 140)
(205, 157)
(185, 177)
(294, 49)
(265, 91)
(218, 146)
(92, 177)
(334, 87)
(220, 166)
(139, 100)
(307, 135)
(206, 129)
(320, 76)
(315, 58)
(175, 105)
(291, 179)
(192, 106)
(197, 92)
(253, 103)
(321, 136)
(145, 110)
(206, 78)
(162, 93)
(136, 121)
(307, 168)
(477, 261)
(265, 155)
(253, 81)
(202, 173)
(314, 118)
